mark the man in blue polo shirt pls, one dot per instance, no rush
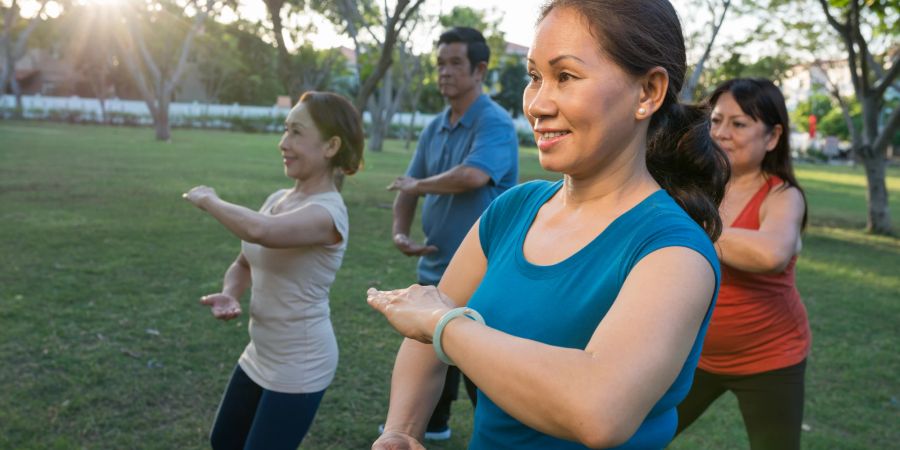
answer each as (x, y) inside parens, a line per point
(465, 158)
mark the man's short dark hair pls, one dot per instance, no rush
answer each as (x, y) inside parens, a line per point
(477, 49)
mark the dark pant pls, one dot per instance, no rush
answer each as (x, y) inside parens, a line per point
(771, 404)
(251, 417)
(440, 418)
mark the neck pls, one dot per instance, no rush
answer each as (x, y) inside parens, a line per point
(625, 179)
(323, 182)
(748, 179)
(459, 105)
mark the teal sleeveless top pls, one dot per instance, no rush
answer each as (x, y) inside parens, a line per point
(563, 303)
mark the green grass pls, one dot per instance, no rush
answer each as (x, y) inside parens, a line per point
(103, 344)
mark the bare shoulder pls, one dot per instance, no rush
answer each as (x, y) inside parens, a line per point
(783, 200)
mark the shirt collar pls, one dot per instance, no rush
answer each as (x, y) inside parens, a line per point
(468, 117)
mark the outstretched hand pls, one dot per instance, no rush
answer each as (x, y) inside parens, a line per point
(414, 312)
(223, 306)
(392, 440)
(198, 195)
(410, 248)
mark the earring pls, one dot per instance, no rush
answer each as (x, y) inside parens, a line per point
(642, 111)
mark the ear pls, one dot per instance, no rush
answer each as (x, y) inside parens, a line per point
(654, 85)
(332, 146)
(774, 136)
(480, 71)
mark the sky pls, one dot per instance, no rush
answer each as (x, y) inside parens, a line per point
(517, 19)
(517, 22)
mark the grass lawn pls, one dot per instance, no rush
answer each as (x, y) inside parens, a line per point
(103, 344)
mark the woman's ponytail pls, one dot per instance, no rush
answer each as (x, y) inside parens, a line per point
(685, 161)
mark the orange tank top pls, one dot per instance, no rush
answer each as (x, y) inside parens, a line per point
(759, 322)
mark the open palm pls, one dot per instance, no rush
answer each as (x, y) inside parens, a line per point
(223, 306)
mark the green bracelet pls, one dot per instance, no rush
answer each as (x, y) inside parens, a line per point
(439, 329)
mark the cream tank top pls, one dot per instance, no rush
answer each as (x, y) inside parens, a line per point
(292, 345)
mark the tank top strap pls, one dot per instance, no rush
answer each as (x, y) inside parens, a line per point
(749, 216)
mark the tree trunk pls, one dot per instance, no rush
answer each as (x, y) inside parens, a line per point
(879, 217)
(687, 91)
(163, 131)
(410, 129)
(17, 91)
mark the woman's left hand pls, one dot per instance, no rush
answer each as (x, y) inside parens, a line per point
(199, 195)
(414, 312)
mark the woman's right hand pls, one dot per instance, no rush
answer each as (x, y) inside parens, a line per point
(223, 306)
(394, 440)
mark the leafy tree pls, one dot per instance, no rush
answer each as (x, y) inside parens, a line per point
(219, 59)
(386, 31)
(871, 81)
(355, 16)
(866, 35)
(146, 36)
(513, 80)
(13, 41)
(718, 9)
(256, 81)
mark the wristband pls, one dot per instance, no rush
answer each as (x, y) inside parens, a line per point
(439, 329)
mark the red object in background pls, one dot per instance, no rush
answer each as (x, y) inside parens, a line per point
(812, 125)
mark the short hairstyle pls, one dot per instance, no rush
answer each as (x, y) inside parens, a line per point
(477, 49)
(334, 115)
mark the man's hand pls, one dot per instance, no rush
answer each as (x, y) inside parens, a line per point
(410, 248)
(407, 185)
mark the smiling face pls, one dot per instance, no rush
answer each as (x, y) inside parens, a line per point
(305, 153)
(456, 79)
(580, 104)
(744, 139)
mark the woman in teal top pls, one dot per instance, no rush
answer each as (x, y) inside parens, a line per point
(596, 290)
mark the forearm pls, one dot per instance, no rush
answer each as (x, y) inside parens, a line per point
(404, 212)
(754, 251)
(454, 181)
(558, 391)
(416, 384)
(244, 223)
(237, 279)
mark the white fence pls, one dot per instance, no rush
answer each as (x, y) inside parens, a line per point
(43, 107)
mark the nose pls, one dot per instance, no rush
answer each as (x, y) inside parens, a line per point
(539, 103)
(719, 131)
(282, 145)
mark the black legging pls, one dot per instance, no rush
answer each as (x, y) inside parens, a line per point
(770, 402)
(253, 418)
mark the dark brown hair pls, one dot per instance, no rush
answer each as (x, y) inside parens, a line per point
(760, 99)
(334, 115)
(639, 35)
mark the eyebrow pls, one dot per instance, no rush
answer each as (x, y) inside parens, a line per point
(559, 58)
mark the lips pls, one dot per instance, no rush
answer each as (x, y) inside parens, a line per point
(547, 139)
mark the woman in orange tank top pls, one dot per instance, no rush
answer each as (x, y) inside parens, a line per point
(758, 338)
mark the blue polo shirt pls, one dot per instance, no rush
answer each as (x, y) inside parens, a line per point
(485, 138)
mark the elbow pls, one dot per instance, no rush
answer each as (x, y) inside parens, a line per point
(255, 234)
(474, 179)
(775, 262)
(603, 430)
